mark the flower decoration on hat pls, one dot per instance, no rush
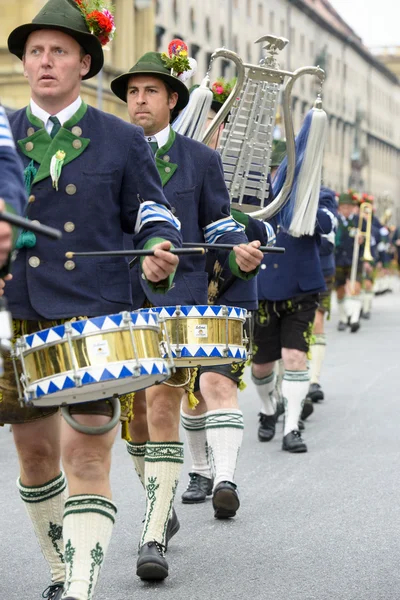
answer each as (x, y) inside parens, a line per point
(99, 19)
(222, 88)
(367, 198)
(177, 60)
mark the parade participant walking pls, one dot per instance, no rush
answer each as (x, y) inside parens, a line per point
(318, 344)
(193, 182)
(93, 176)
(349, 303)
(288, 288)
(12, 191)
(213, 428)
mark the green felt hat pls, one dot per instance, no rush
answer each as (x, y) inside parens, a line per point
(349, 197)
(151, 63)
(62, 15)
(278, 152)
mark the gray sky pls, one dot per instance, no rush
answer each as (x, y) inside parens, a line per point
(376, 21)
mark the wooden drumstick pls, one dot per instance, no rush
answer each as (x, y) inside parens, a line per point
(136, 253)
(264, 249)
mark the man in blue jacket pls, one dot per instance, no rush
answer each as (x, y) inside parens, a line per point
(318, 345)
(288, 288)
(93, 176)
(193, 182)
(12, 191)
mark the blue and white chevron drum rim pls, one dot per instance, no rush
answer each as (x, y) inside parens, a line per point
(213, 311)
(91, 326)
(113, 373)
(212, 351)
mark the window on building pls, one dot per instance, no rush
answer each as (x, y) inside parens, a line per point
(235, 43)
(225, 64)
(260, 14)
(222, 35)
(302, 44)
(160, 30)
(312, 50)
(292, 37)
(271, 22)
(248, 8)
(158, 7)
(175, 10)
(282, 26)
(208, 59)
(192, 19)
(194, 50)
(208, 28)
(248, 52)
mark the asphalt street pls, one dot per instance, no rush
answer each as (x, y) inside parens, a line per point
(323, 525)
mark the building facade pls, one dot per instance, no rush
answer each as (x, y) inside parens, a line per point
(361, 95)
(135, 24)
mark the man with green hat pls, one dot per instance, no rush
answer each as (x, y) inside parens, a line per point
(92, 176)
(349, 304)
(193, 182)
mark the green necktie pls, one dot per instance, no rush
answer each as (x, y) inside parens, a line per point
(153, 146)
(56, 126)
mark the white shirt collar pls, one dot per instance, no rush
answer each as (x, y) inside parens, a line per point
(63, 116)
(161, 137)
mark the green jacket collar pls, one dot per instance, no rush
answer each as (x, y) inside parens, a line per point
(40, 147)
(165, 168)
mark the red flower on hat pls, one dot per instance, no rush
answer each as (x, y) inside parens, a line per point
(99, 19)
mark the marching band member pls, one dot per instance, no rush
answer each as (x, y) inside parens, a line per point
(215, 428)
(193, 182)
(12, 193)
(345, 236)
(318, 344)
(288, 288)
(93, 176)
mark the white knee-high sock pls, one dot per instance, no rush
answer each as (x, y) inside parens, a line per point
(163, 463)
(224, 436)
(367, 301)
(195, 429)
(294, 388)
(137, 452)
(355, 305)
(318, 349)
(88, 525)
(45, 507)
(265, 387)
(342, 310)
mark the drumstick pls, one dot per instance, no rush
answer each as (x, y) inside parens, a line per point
(18, 221)
(264, 249)
(138, 253)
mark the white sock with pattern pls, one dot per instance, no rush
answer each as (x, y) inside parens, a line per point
(45, 507)
(265, 387)
(88, 525)
(137, 452)
(367, 302)
(342, 307)
(355, 307)
(195, 429)
(163, 463)
(294, 388)
(224, 436)
(318, 349)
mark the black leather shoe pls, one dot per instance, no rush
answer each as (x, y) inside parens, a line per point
(292, 442)
(266, 429)
(308, 409)
(354, 327)
(172, 527)
(301, 425)
(280, 409)
(315, 393)
(225, 500)
(198, 489)
(54, 592)
(366, 316)
(151, 564)
(342, 326)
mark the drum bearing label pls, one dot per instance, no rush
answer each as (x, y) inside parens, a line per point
(201, 331)
(101, 348)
